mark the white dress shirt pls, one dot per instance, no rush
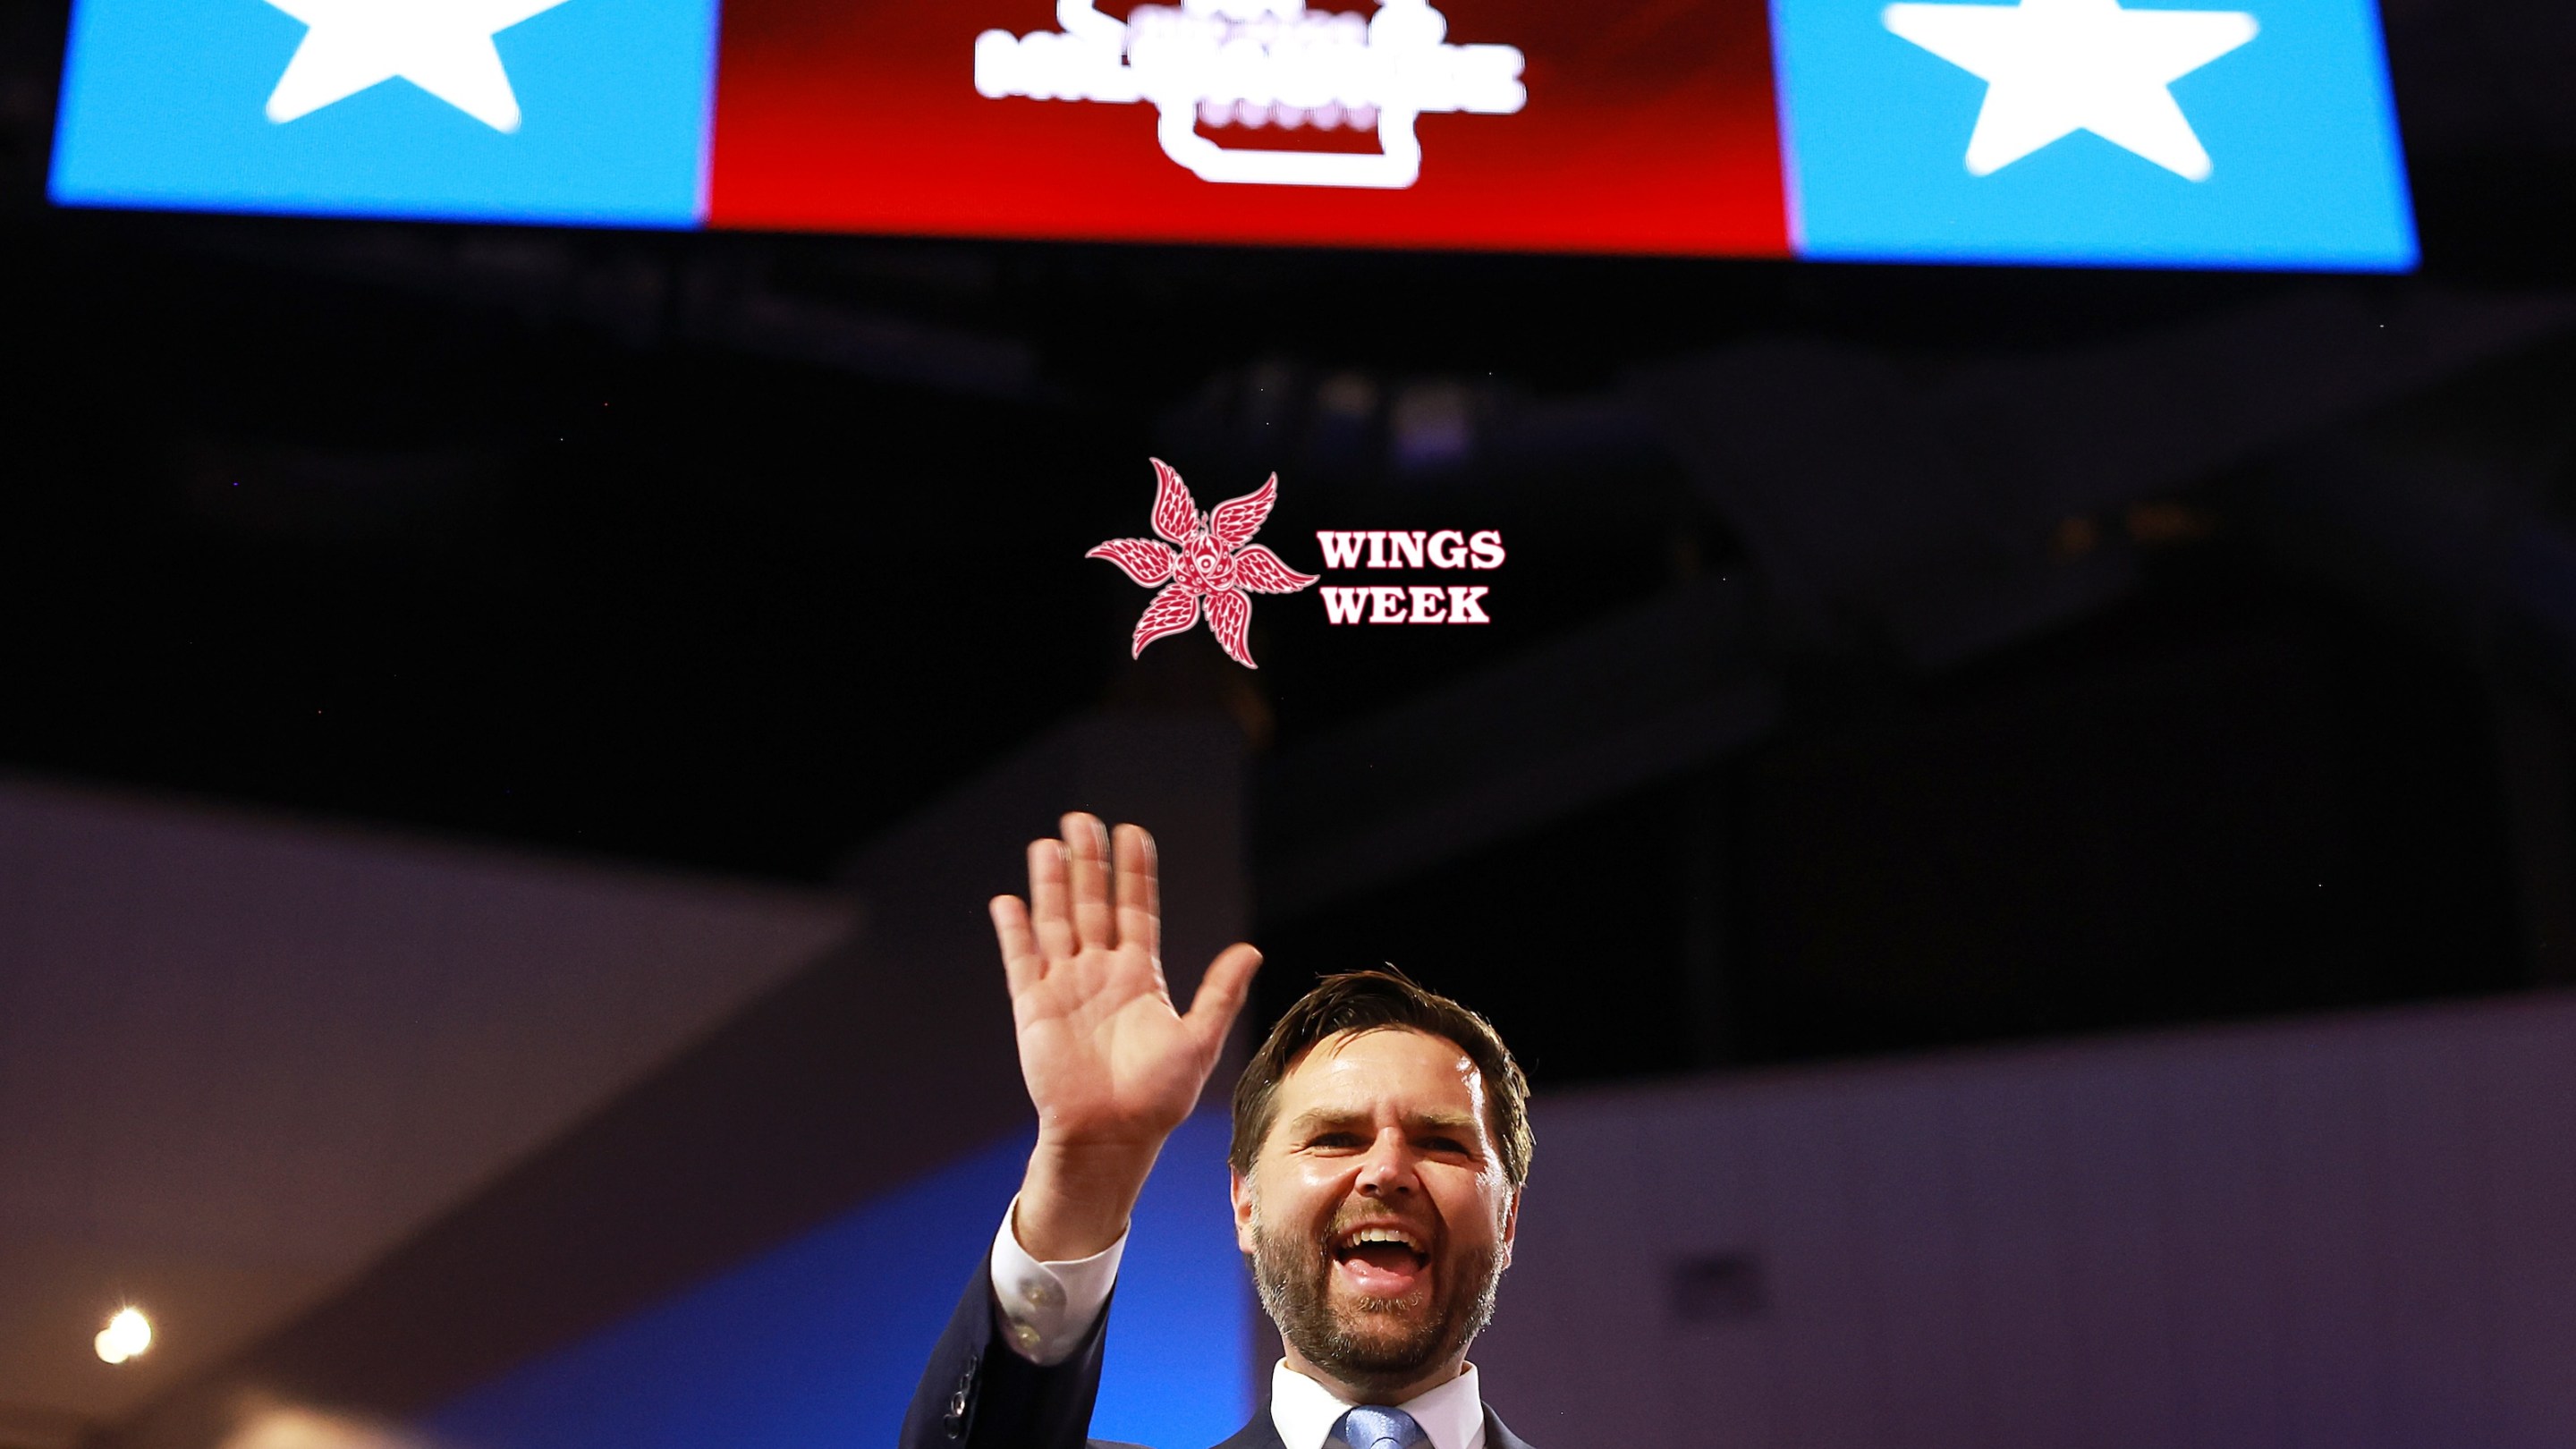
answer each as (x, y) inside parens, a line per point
(1305, 1413)
(1051, 1306)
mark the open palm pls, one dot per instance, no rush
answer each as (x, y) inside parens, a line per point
(1107, 1058)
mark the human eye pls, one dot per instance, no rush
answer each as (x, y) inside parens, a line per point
(1334, 1139)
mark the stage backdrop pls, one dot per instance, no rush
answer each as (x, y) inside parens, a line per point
(821, 1340)
(2158, 132)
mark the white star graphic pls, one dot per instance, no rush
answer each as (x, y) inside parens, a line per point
(2055, 67)
(442, 46)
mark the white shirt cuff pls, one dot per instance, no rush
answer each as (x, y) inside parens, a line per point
(1048, 1307)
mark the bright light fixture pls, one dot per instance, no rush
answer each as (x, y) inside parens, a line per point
(128, 1334)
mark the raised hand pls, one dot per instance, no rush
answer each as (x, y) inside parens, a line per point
(1111, 1065)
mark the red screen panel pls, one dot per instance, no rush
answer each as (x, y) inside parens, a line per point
(1642, 127)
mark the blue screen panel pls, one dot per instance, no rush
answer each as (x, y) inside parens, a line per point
(2194, 133)
(820, 1342)
(590, 112)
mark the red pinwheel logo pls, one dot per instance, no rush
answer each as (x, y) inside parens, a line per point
(1210, 562)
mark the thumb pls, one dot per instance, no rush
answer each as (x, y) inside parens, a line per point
(1221, 991)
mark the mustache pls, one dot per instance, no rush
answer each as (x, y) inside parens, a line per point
(1292, 1271)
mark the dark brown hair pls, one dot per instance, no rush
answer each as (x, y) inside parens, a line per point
(1374, 1001)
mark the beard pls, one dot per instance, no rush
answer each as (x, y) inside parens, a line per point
(1375, 1345)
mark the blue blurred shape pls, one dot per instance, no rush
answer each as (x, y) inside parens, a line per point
(2290, 129)
(165, 104)
(820, 1341)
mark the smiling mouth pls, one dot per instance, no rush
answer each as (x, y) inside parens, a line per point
(1380, 1262)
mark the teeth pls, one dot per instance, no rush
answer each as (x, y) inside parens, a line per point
(1383, 1235)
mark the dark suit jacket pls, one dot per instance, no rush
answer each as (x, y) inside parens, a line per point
(978, 1394)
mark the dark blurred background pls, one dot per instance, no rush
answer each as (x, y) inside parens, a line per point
(1887, 658)
(2102, 648)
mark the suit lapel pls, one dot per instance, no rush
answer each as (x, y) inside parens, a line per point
(1259, 1434)
(1496, 1436)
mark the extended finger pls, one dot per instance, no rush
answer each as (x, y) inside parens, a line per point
(1221, 992)
(1051, 918)
(1140, 898)
(1021, 962)
(1087, 866)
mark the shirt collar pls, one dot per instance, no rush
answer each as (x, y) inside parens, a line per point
(1304, 1412)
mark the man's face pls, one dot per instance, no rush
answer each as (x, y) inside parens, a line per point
(1378, 1215)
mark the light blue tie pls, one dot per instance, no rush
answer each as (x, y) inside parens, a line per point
(1370, 1427)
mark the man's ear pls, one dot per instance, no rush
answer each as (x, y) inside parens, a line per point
(1511, 1225)
(1241, 1189)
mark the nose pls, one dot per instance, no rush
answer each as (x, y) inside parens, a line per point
(1388, 1169)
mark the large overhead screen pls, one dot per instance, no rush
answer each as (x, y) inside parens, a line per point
(2044, 131)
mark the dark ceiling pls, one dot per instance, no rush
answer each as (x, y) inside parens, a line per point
(726, 551)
